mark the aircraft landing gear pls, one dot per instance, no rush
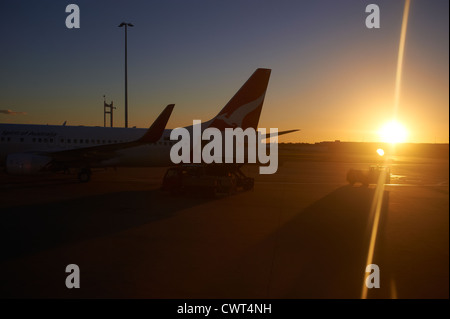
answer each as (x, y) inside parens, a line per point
(84, 175)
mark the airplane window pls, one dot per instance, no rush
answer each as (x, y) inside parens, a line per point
(92, 141)
(45, 140)
(104, 141)
(87, 141)
(2, 139)
(34, 139)
(51, 140)
(40, 140)
(109, 141)
(81, 141)
(115, 141)
(98, 141)
(68, 140)
(62, 140)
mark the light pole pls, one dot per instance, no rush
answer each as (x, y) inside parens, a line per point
(126, 68)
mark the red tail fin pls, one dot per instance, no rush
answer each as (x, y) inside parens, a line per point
(244, 108)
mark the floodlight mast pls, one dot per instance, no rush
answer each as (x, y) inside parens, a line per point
(126, 25)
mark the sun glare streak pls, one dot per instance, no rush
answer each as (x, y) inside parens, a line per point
(393, 290)
(395, 133)
(375, 211)
(401, 50)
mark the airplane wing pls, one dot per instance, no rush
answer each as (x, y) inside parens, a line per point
(93, 154)
(269, 135)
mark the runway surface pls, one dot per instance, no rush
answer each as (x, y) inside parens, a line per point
(301, 233)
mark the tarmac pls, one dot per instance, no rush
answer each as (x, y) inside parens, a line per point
(300, 233)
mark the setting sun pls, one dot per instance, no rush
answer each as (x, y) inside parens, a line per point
(393, 132)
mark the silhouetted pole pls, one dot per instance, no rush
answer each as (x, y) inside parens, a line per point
(110, 112)
(126, 70)
(104, 111)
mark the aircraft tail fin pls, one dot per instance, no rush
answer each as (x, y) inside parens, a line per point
(244, 108)
(156, 130)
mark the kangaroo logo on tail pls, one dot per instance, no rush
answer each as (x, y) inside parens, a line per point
(244, 108)
(236, 118)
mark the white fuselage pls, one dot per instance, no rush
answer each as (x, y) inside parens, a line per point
(24, 138)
